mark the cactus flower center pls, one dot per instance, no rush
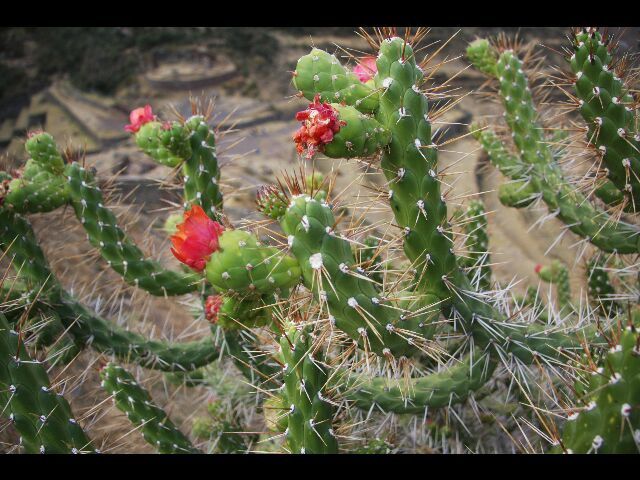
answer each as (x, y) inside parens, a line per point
(211, 307)
(196, 238)
(319, 124)
(139, 117)
(366, 69)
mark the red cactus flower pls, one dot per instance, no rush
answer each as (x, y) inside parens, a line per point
(212, 307)
(319, 124)
(139, 117)
(366, 69)
(196, 238)
(537, 268)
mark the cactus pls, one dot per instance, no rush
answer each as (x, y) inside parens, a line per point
(129, 396)
(346, 322)
(606, 105)
(43, 417)
(607, 419)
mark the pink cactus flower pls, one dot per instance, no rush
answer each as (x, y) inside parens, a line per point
(366, 69)
(139, 117)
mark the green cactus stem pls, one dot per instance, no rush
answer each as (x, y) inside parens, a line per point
(476, 258)
(329, 270)
(607, 420)
(608, 107)
(310, 416)
(136, 403)
(120, 253)
(42, 417)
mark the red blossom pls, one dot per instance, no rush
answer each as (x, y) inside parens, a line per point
(366, 69)
(319, 124)
(537, 268)
(139, 117)
(212, 306)
(196, 238)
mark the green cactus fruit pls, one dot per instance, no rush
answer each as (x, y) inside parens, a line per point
(320, 73)
(42, 417)
(243, 265)
(271, 202)
(41, 192)
(133, 400)
(609, 419)
(483, 56)
(168, 143)
(359, 136)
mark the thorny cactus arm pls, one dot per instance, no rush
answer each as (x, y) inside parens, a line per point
(85, 326)
(120, 253)
(454, 383)
(328, 269)
(536, 165)
(601, 291)
(608, 107)
(309, 420)
(132, 399)
(608, 415)
(557, 274)
(42, 417)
